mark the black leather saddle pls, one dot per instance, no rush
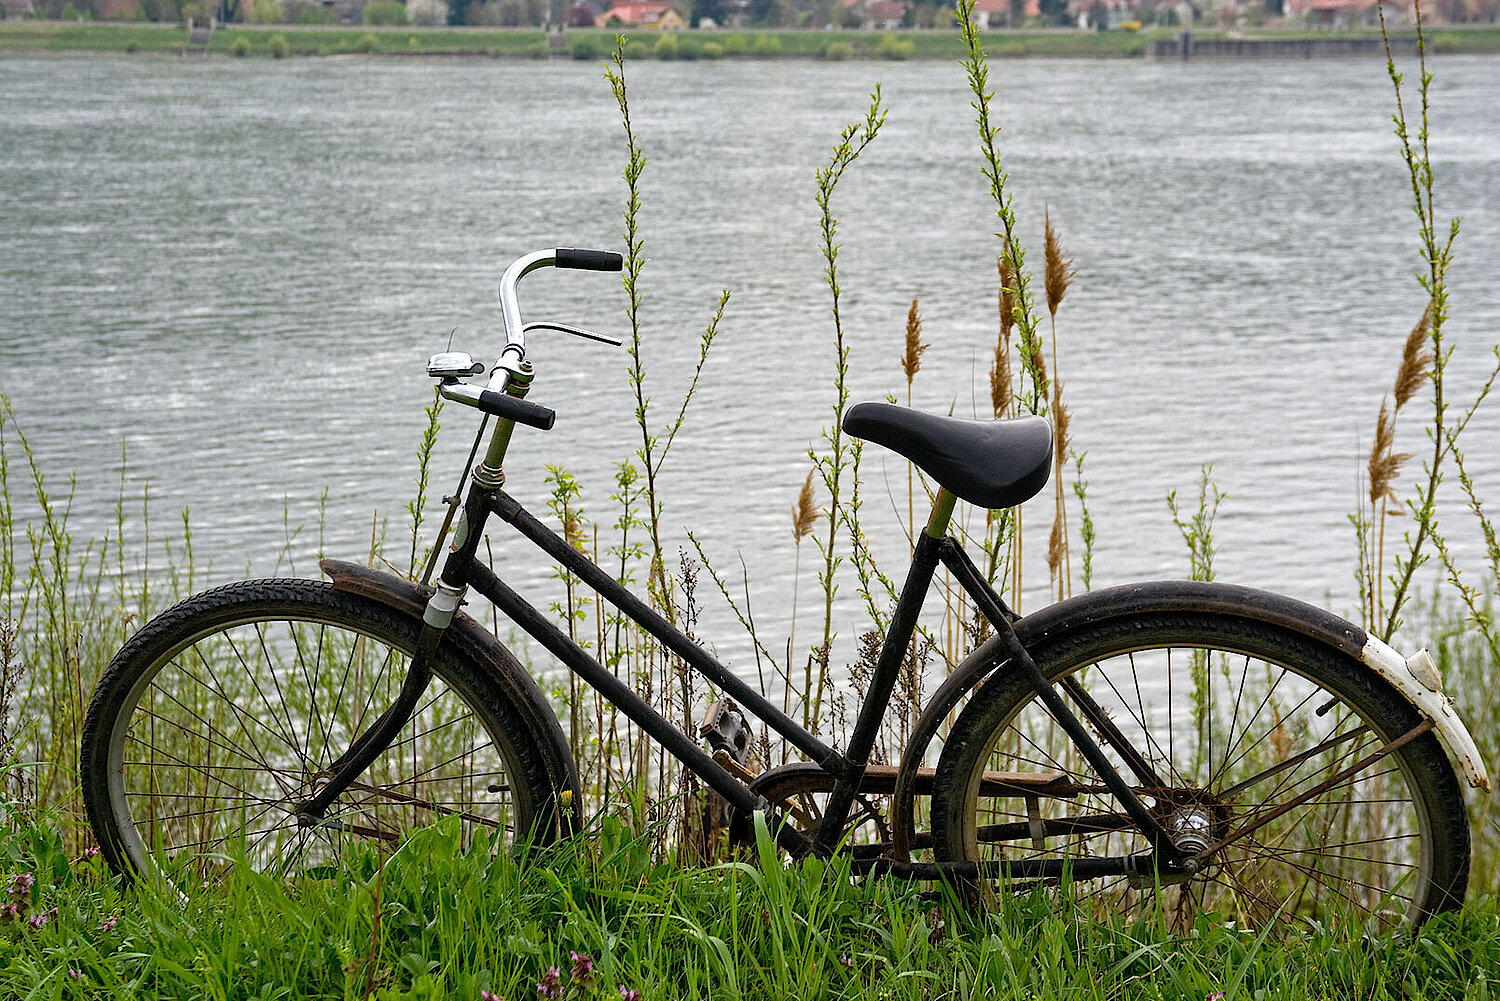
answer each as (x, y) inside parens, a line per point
(991, 464)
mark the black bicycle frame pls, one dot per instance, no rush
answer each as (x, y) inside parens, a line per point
(462, 570)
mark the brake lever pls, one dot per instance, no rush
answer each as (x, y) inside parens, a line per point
(568, 328)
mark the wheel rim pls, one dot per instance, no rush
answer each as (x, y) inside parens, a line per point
(226, 733)
(1254, 735)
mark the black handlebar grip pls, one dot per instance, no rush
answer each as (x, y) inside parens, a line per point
(589, 260)
(518, 410)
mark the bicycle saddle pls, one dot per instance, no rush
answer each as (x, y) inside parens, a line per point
(991, 464)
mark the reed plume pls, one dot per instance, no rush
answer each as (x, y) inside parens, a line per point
(1000, 380)
(1414, 360)
(911, 364)
(1059, 276)
(1034, 360)
(1058, 554)
(1007, 297)
(911, 358)
(805, 511)
(1057, 279)
(1385, 462)
(804, 520)
(1384, 465)
(1062, 432)
(1001, 388)
(1055, 545)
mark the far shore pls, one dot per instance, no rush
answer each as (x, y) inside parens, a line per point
(38, 37)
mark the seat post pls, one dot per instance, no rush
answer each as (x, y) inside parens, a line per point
(942, 513)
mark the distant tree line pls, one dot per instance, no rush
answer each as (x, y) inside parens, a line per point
(758, 13)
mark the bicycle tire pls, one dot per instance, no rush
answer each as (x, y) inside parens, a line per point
(215, 720)
(1387, 847)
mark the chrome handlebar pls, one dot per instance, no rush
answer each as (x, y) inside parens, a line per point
(513, 355)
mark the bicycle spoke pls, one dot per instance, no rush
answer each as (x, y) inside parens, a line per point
(1292, 809)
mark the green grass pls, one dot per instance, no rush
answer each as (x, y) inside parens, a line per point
(441, 921)
(54, 36)
(59, 37)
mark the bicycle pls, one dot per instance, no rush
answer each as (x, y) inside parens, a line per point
(1206, 746)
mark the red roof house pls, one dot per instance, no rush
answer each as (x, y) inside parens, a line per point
(641, 14)
(997, 13)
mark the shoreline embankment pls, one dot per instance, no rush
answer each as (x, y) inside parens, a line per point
(58, 38)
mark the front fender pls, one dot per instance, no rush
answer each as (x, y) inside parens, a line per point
(1131, 600)
(479, 645)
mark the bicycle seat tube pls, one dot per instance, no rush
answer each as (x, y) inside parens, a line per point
(898, 636)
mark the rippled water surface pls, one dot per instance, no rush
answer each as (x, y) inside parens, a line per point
(234, 272)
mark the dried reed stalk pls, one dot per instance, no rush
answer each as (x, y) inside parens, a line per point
(804, 520)
(1002, 389)
(805, 511)
(1385, 462)
(1057, 279)
(1062, 440)
(911, 364)
(1414, 360)
(911, 358)
(1384, 466)
(1055, 547)
(1007, 297)
(1060, 272)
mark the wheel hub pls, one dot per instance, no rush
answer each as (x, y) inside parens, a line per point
(1191, 828)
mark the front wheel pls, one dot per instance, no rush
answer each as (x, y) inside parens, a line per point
(225, 713)
(1245, 728)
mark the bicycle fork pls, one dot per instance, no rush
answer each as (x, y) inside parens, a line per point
(372, 743)
(436, 618)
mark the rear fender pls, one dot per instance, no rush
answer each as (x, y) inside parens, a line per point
(1130, 600)
(474, 642)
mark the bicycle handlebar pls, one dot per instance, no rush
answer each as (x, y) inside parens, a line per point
(510, 309)
(501, 404)
(590, 260)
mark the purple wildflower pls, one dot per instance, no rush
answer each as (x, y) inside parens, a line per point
(10, 911)
(583, 967)
(551, 984)
(629, 995)
(22, 884)
(1216, 996)
(109, 924)
(845, 959)
(74, 974)
(489, 996)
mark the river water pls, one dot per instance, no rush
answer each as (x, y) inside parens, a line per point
(235, 270)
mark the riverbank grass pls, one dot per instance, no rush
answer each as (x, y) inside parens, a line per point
(598, 918)
(32, 37)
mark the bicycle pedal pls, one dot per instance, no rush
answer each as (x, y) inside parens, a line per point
(727, 732)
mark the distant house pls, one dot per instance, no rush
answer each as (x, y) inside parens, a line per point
(879, 15)
(17, 8)
(1345, 12)
(1109, 12)
(990, 14)
(580, 15)
(655, 15)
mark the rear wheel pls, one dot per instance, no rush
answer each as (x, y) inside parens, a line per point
(225, 713)
(1245, 728)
